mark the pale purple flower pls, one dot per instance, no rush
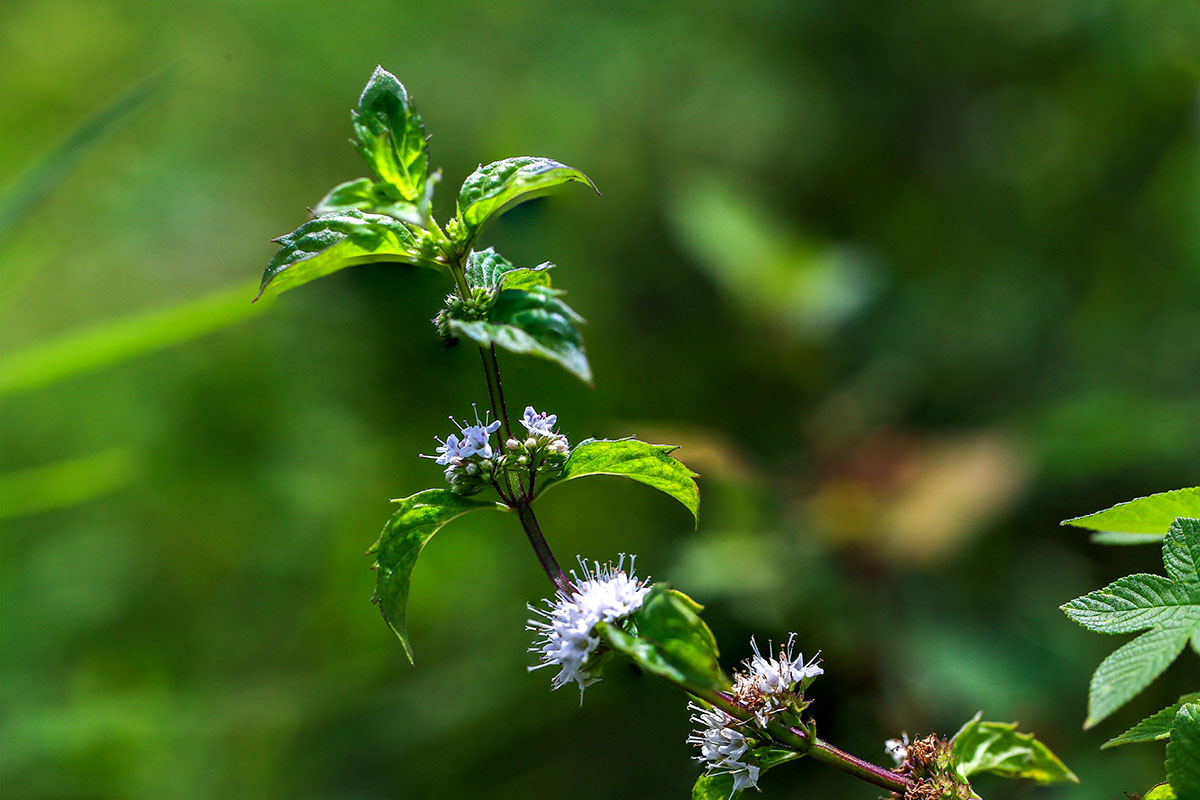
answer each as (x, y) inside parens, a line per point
(539, 423)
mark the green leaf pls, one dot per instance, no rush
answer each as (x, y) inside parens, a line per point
(1131, 668)
(417, 520)
(1168, 606)
(672, 641)
(487, 269)
(651, 464)
(343, 239)
(1162, 791)
(377, 197)
(1149, 516)
(714, 787)
(490, 190)
(1153, 728)
(720, 786)
(997, 748)
(389, 135)
(531, 321)
(1183, 752)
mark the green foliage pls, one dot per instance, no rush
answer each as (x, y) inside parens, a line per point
(720, 786)
(998, 748)
(113, 342)
(670, 640)
(1169, 607)
(1183, 753)
(343, 239)
(651, 464)
(534, 322)
(389, 135)
(419, 517)
(39, 180)
(491, 189)
(487, 269)
(65, 483)
(1145, 519)
(1153, 728)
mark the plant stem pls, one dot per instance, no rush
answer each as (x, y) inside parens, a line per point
(520, 497)
(864, 770)
(491, 369)
(542, 550)
(817, 749)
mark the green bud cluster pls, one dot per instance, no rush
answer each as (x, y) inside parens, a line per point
(469, 309)
(544, 455)
(470, 476)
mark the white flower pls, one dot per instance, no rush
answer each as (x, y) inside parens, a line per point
(768, 685)
(722, 746)
(605, 594)
(897, 749)
(776, 675)
(539, 423)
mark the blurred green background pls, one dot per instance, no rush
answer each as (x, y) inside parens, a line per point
(909, 282)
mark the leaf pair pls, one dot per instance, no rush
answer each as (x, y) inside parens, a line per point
(1166, 608)
(422, 515)
(390, 136)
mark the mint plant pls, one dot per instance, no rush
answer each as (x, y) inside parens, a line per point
(747, 723)
(1166, 610)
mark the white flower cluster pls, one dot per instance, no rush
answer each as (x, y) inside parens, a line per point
(722, 745)
(768, 685)
(606, 593)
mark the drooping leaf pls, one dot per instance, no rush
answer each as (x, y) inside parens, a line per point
(1168, 606)
(672, 641)
(1153, 728)
(487, 269)
(389, 135)
(343, 239)
(490, 189)
(998, 748)
(651, 464)
(419, 517)
(1183, 752)
(1147, 517)
(531, 321)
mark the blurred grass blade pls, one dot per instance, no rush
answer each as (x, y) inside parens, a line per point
(115, 341)
(27, 190)
(66, 483)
